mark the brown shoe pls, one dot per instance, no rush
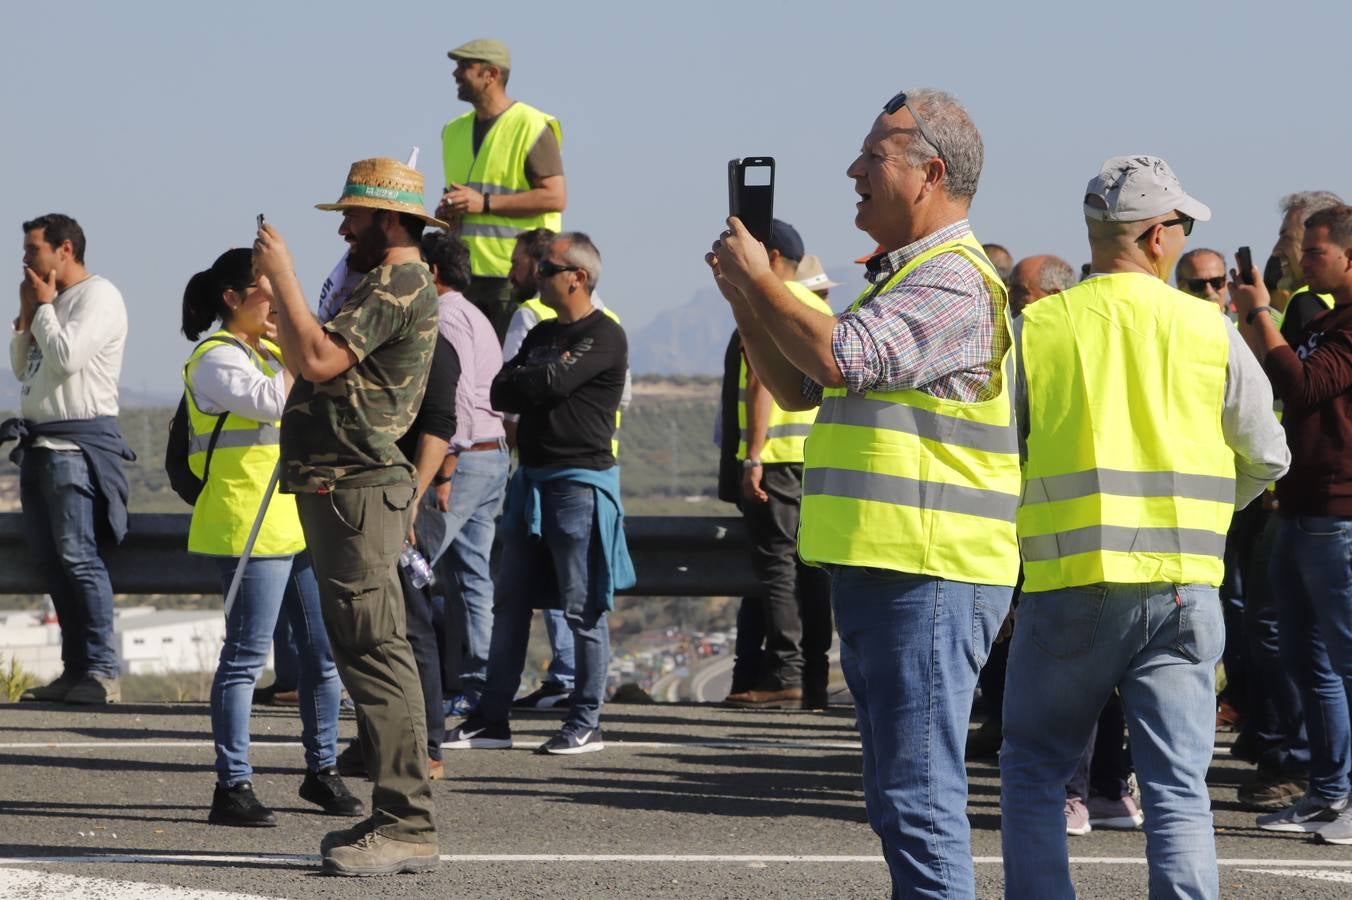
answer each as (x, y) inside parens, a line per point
(375, 854)
(53, 692)
(286, 698)
(1268, 793)
(95, 690)
(435, 769)
(784, 698)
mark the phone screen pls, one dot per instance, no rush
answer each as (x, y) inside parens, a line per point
(751, 193)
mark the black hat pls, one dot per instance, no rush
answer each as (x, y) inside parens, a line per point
(784, 238)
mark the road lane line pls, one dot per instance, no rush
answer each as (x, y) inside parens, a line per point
(20, 883)
(721, 744)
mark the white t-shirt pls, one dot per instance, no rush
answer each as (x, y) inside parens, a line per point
(70, 359)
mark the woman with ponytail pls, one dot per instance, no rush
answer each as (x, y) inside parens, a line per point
(236, 389)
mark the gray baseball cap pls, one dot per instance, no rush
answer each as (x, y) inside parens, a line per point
(1138, 187)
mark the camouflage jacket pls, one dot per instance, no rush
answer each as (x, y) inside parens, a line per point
(342, 432)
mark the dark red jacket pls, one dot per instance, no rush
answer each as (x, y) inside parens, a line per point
(1314, 381)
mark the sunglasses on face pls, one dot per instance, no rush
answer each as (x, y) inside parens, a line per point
(550, 269)
(897, 103)
(1186, 221)
(1198, 285)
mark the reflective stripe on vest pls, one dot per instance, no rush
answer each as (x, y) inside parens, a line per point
(242, 463)
(906, 481)
(785, 430)
(542, 312)
(498, 169)
(1128, 477)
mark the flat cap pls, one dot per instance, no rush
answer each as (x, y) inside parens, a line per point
(484, 50)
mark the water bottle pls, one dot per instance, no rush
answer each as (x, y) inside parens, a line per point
(419, 572)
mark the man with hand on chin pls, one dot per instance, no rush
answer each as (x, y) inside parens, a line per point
(911, 471)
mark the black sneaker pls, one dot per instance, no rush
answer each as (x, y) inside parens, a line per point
(351, 762)
(238, 807)
(477, 733)
(326, 789)
(546, 696)
(571, 741)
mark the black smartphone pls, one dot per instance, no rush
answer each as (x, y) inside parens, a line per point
(1244, 264)
(751, 193)
(260, 221)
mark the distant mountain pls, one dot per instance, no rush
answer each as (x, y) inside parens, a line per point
(690, 339)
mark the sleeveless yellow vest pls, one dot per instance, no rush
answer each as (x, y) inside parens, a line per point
(241, 466)
(785, 431)
(1128, 477)
(542, 312)
(499, 168)
(906, 481)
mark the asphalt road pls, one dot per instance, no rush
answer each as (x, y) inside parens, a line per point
(686, 801)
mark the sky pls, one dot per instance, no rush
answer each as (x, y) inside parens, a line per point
(166, 127)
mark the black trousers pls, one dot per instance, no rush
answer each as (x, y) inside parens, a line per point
(493, 298)
(796, 597)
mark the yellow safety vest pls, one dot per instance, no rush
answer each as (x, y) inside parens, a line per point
(785, 431)
(542, 312)
(1279, 315)
(1128, 478)
(242, 462)
(499, 168)
(906, 481)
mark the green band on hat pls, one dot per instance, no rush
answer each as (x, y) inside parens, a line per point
(382, 193)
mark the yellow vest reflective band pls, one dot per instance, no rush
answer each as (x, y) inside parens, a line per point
(785, 432)
(906, 481)
(542, 312)
(241, 466)
(1128, 478)
(498, 168)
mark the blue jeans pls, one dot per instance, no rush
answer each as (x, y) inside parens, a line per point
(562, 669)
(1157, 644)
(1312, 574)
(462, 539)
(911, 647)
(556, 570)
(269, 585)
(60, 508)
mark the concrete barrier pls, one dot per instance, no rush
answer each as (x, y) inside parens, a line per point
(675, 556)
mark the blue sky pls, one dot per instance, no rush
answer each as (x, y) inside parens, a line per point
(165, 127)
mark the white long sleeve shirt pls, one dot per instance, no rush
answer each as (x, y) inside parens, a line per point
(69, 361)
(227, 380)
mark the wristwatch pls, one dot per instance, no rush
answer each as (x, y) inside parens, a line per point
(439, 479)
(488, 207)
(1253, 313)
(751, 463)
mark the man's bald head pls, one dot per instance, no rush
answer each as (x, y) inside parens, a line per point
(1037, 277)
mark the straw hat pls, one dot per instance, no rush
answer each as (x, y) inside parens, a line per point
(812, 276)
(384, 183)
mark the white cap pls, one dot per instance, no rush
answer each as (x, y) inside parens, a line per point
(1135, 188)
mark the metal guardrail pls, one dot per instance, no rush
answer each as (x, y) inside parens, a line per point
(675, 556)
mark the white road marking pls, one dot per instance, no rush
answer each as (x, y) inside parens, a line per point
(1338, 877)
(727, 744)
(18, 883)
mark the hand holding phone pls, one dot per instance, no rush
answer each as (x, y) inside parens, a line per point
(751, 193)
(1244, 265)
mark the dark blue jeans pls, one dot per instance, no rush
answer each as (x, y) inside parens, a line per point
(60, 507)
(553, 571)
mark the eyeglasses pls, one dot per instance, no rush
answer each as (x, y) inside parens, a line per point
(1185, 221)
(550, 269)
(897, 103)
(1198, 285)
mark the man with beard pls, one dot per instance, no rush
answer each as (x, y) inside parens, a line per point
(361, 378)
(504, 173)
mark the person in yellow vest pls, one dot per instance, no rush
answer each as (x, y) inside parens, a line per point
(911, 469)
(504, 173)
(794, 604)
(1145, 422)
(1283, 275)
(236, 387)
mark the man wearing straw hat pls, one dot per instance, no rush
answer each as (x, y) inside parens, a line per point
(360, 380)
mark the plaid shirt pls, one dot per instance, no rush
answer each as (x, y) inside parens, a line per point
(934, 331)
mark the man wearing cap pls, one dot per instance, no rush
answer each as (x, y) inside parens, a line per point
(812, 276)
(1122, 528)
(795, 599)
(504, 173)
(361, 378)
(911, 470)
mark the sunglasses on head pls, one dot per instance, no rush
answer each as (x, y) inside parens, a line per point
(897, 103)
(550, 269)
(1186, 221)
(1198, 285)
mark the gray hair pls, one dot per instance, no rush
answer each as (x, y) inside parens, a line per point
(581, 252)
(958, 138)
(1055, 275)
(1309, 202)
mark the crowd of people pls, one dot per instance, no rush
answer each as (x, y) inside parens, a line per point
(1056, 485)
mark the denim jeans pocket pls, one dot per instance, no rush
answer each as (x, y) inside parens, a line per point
(988, 614)
(1063, 621)
(359, 616)
(1321, 526)
(1201, 623)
